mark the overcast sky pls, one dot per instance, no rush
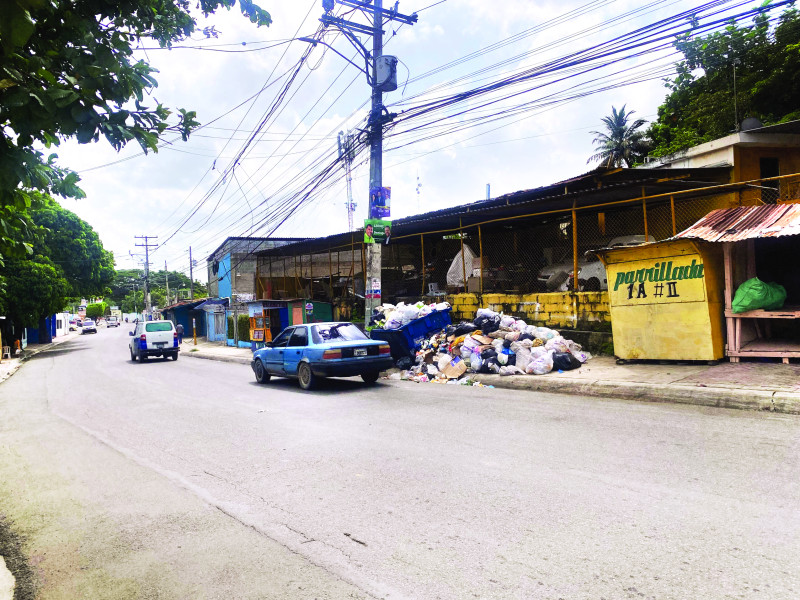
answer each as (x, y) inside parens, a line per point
(156, 194)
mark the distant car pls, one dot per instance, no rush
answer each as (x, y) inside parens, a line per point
(153, 338)
(73, 325)
(112, 322)
(88, 326)
(313, 351)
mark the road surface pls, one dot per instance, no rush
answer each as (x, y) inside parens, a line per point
(187, 479)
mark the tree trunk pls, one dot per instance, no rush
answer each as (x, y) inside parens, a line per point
(44, 332)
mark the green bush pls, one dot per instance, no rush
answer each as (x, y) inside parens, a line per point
(96, 310)
(230, 328)
(244, 328)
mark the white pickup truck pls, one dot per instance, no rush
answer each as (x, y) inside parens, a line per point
(591, 272)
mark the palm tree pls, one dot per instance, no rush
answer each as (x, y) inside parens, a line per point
(620, 141)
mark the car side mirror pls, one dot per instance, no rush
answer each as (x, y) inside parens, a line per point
(268, 345)
(130, 333)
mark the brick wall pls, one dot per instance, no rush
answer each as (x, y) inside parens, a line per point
(557, 310)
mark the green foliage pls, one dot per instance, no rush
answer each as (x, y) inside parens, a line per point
(33, 290)
(244, 328)
(126, 280)
(700, 106)
(133, 302)
(230, 328)
(96, 310)
(67, 71)
(621, 141)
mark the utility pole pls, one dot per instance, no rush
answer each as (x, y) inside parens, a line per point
(381, 75)
(166, 280)
(191, 275)
(147, 308)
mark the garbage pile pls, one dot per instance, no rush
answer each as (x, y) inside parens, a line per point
(493, 343)
(390, 316)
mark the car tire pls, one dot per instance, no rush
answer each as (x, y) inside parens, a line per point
(133, 356)
(174, 356)
(592, 285)
(262, 376)
(305, 376)
(371, 377)
(143, 358)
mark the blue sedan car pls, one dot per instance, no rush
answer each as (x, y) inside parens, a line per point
(317, 350)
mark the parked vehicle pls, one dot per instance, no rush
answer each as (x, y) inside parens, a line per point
(73, 325)
(591, 272)
(153, 338)
(310, 352)
(112, 322)
(88, 326)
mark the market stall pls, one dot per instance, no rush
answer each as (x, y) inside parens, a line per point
(762, 277)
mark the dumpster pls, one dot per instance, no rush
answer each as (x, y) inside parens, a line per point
(666, 300)
(405, 341)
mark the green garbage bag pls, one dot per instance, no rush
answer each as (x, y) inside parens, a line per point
(754, 294)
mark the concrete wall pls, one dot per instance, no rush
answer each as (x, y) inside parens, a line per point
(557, 310)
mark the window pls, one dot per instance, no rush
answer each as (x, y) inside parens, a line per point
(282, 340)
(770, 167)
(159, 326)
(337, 332)
(299, 337)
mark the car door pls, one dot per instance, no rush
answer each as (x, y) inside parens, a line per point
(273, 354)
(294, 351)
(134, 340)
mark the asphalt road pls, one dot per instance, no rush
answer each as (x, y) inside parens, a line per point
(187, 479)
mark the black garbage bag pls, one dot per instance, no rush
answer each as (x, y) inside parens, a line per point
(488, 353)
(464, 328)
(404, 363)
(449, 330)
(486, 324)
(525, 336)
(564, 361)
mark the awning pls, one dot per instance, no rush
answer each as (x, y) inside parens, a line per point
(745, 223)
(213, 305)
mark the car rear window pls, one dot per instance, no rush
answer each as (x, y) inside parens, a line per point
(336, 332)
(158, 327)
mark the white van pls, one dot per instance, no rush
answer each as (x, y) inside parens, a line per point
(153, 338)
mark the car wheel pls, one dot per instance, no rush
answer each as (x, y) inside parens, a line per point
(133, 356)
(174, 356)
(143, 358)
(305, 376)
(370, 377)
(592, 285)
(261, 372)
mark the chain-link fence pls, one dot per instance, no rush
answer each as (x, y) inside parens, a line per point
(511, 255)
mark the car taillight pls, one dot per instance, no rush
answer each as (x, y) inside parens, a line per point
(143, 337)
(384, 349)
(329, 354)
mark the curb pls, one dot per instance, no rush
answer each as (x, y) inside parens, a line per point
(231, 359)
(742, 399)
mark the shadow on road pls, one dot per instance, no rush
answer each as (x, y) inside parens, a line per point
(324, 387)
(64, 348)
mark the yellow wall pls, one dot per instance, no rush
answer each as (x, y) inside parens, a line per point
(557, 310)
(749, 168)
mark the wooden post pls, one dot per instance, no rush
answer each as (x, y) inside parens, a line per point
(284, 274)
(672, 209)
(271, 293)
(480, 250)
(422, 246)
(364, 270)
(463, 264)
(258, 279)
(311, 277)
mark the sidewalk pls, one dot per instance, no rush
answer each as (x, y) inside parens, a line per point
(745, 385)
(9, 366)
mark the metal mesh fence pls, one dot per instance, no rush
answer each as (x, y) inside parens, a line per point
(530, 254)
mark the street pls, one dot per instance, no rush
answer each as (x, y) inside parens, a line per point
(188, 480)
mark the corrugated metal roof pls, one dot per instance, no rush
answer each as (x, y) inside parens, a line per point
(746, 222)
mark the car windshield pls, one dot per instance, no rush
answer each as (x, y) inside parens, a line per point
(88, 323)
(165, 326)
(337, 331)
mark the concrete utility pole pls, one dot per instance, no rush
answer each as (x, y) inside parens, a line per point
(381, 76)
(147, 308)
(191, 275)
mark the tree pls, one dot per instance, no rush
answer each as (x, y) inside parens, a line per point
(67, 71)
(701, 105)
(621, 141)
(33, 290)
(72, 244)
(97, 310)
(126, 280)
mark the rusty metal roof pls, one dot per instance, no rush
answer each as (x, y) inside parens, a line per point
(746, 222)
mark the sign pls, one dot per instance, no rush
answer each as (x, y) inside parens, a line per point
(374, 291)
(257, 335)
(377, 231)
(309, 308)
(245, 297)
(663, 281)
(380, 203)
